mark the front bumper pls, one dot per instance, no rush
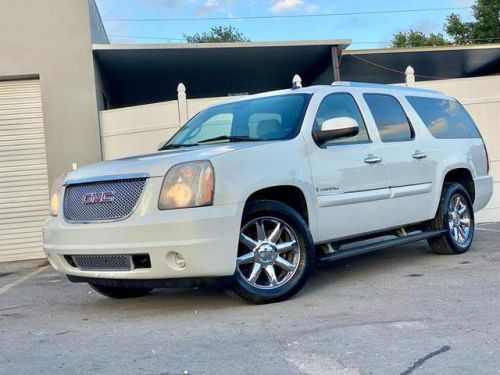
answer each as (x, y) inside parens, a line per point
(206, 237)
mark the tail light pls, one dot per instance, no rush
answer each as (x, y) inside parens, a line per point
(487, 159)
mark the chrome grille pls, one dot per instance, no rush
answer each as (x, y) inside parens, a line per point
(125, 194)
(103, 262)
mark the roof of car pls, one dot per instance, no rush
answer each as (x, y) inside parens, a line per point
(339, 84)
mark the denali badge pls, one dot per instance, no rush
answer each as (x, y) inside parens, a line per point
(101, 197)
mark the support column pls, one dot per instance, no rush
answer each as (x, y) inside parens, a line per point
(336, 53)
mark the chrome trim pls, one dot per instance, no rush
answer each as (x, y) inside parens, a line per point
(419, 155)
(262, 249)
(372, 159)
(460, 220)
(77, 259)
(69, 221)
(115, 177)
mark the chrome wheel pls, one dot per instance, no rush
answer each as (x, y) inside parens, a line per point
(268, 254)
(459, 219)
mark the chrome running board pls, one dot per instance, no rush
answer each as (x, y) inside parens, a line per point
(368, 248)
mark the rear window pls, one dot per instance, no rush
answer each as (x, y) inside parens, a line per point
(445, 119)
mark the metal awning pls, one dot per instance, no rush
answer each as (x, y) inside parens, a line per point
(140, 74)
(388, 65)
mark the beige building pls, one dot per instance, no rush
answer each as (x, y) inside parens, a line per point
(68, 97)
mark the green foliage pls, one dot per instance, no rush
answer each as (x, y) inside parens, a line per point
(217, 34)
(417, 39)
(484, 29)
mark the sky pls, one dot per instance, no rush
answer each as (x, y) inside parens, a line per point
(365, 30)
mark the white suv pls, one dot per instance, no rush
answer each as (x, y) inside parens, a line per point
(253, 191)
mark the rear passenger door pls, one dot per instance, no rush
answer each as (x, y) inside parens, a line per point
(409, 168)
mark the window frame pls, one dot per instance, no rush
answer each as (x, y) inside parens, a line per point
(325, 145)
(412, 128)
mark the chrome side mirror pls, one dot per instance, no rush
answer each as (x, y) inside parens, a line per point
(340, 127)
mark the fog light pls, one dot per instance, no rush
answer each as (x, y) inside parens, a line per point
(180, 261)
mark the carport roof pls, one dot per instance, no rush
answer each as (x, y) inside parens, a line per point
(388, 65)
(145, 73)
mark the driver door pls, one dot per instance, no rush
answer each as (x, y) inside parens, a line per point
(348, 174)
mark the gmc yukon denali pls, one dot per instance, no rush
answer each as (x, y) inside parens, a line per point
(254, 191)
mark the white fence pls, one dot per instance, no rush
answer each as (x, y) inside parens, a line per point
(140, 129)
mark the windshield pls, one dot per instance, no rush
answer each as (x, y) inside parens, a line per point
(263, 119)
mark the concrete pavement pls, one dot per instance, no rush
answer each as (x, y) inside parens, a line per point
(399, 311)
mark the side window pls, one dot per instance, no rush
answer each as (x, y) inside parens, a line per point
(445, 119)
(341, 105)
(390, 118)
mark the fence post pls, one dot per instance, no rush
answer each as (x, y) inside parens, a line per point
(410, 76)
(182, 103)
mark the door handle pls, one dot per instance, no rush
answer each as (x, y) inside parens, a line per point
(419, 155)
(372, 159)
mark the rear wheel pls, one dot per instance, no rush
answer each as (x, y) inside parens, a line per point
(120, 293)
(275, 253)
(456, 216)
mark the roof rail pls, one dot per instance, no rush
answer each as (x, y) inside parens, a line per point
(381, 86)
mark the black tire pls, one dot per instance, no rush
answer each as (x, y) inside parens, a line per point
(447, 244)
(119, 292)
(302, 257)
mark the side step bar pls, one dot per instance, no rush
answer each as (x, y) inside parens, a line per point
(363, 249)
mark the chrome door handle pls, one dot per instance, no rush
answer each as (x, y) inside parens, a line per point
(372, 159)
(419, 155)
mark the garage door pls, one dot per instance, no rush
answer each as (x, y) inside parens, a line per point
(23, 171)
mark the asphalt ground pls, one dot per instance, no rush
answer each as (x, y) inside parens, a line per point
(399, 311)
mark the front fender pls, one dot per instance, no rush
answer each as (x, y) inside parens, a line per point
(241, 173)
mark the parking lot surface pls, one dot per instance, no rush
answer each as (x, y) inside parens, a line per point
(400, 311)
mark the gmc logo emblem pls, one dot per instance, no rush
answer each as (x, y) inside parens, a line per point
(101, 197)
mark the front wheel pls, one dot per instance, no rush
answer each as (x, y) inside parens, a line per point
(119, 292)
(456, 216)
(275, 253)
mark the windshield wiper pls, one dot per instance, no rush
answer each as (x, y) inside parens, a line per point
(177, 145)
(230, 138)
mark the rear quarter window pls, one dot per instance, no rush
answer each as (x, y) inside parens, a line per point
(445, 119)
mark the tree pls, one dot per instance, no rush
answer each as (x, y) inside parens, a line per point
(417, 39)
(217, 34)
(485, 28)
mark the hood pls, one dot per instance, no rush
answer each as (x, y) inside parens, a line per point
(157, 164)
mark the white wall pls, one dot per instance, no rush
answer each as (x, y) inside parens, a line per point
(137, 130)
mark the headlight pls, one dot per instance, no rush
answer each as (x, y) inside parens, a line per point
(55, 194)
(186, 185)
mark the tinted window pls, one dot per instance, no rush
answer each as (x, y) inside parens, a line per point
(444, 118)
(341, 105)
(271, 118)
(389, 117)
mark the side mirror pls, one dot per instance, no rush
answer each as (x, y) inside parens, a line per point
(340, 127)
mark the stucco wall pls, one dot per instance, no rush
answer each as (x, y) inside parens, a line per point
(51, 39)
